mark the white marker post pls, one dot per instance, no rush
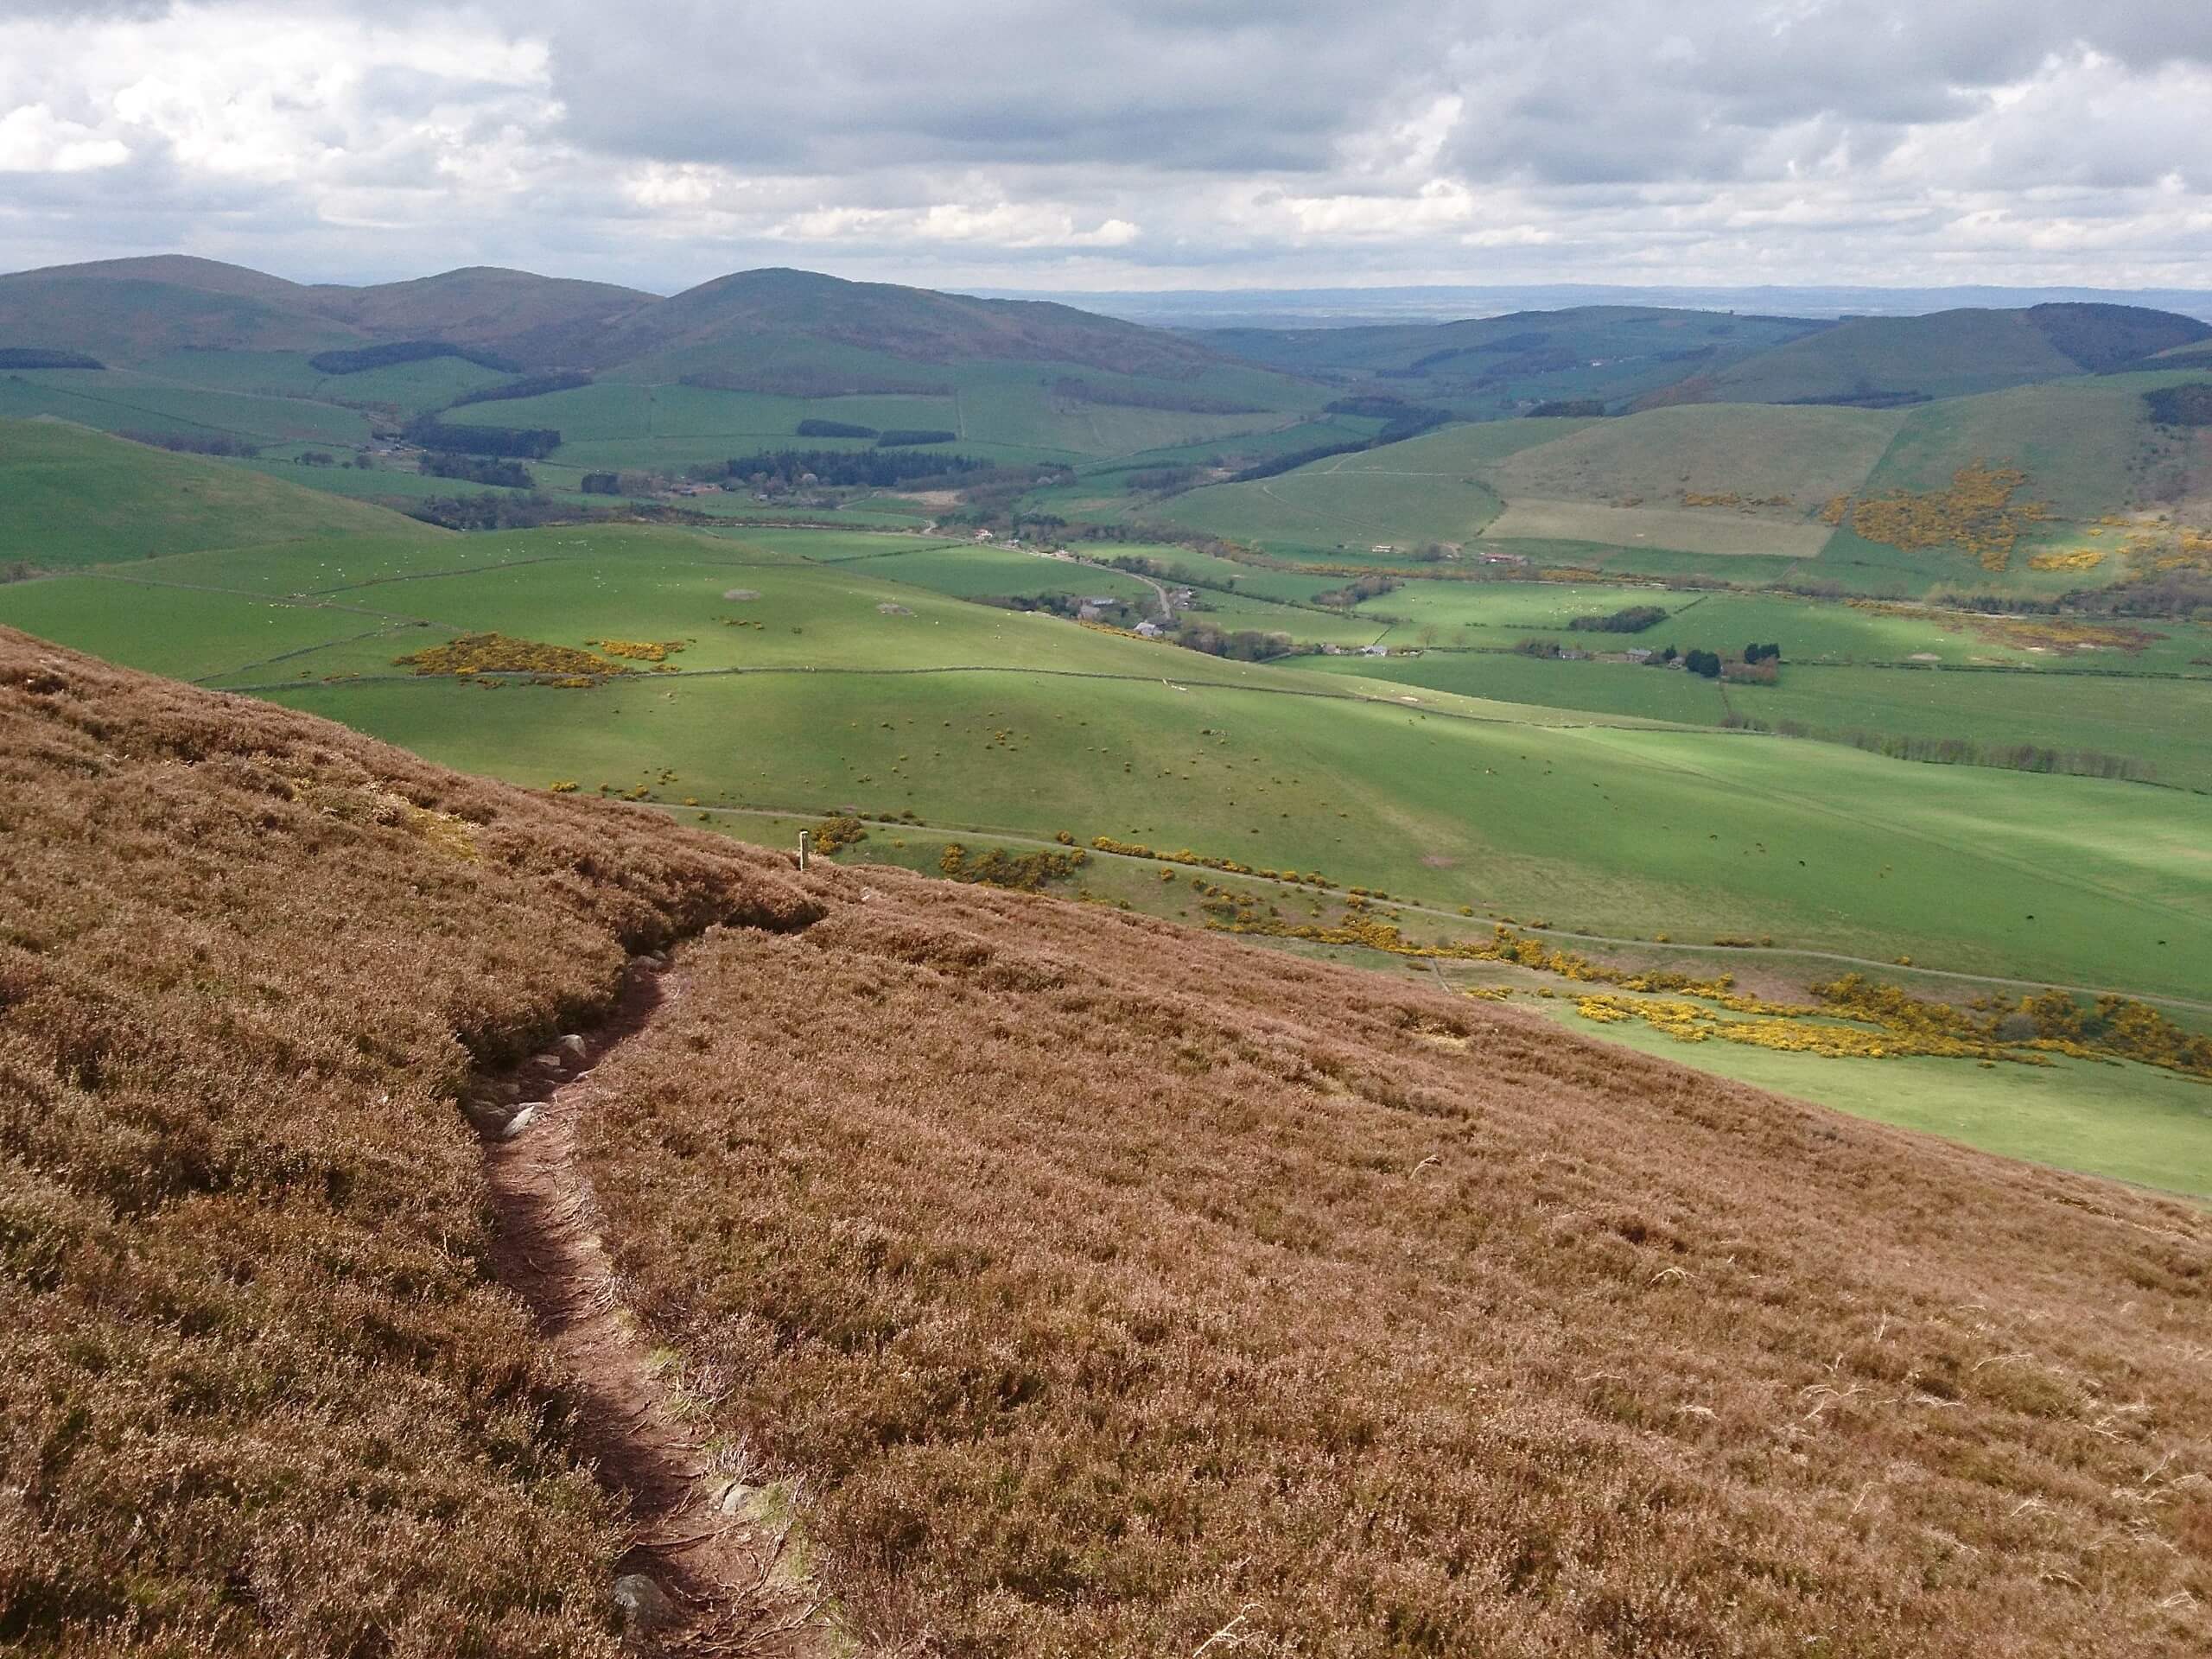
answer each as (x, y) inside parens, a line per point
(803, 836)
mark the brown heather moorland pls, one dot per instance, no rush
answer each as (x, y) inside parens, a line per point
(1104, 1288)
(258, 1393)
(1112, 1286)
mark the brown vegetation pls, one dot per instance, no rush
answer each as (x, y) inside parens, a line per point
(1114, 1287)
(257, 1393)
(1105, 1286)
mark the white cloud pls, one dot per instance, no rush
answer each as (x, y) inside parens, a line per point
(33, 139)
(1124, 141)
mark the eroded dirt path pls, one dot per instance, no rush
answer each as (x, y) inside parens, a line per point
(721, 1583)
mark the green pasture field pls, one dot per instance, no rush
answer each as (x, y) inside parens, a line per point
(409, 387)
(1431, 488)
(997, 411)
(1327, 506)
(1506, 677)
(398, 487)
(1501, 614)
(2167, 724)
(1804, 454)
(117, 400)
(1030, 725)
(187, 634)
(972, 571)
(1946, 355)
(2127, 1121)
(1623, 832)
(73, 497)
(2075, 439)
(1014, 407)
(1219, 576)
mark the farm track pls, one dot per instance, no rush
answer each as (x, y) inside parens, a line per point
(1732, 952)
(733, 1591)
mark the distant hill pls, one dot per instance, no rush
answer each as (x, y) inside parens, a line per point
(1490, 367)
(1878, 362)
(134, 310)
(131, 310)
(913, 325)
(534, 320)
(75, 497)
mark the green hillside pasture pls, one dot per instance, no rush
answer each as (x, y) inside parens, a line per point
(70, 496)
(615, 423)
(1716, 532)
(1016, 407)
(187, 634)
(842, 617)
(1332, 505)
(129, 319)
(398, 487)
(1596, 688)
(1804, 454)
(972, 571)
(2125, 1121)
(975, 571)
(1620, 831)
(1431, 488)
(884, 511)
(2167, 724)
(119, 401)
(408, 387)
(267, 374)
(816, 546)
(1948, 355)
(1474, 614)
(1305, 625)
(2079, 442)
(1210, 571)
(412, 388)
(2088, 448)
(1621, 483)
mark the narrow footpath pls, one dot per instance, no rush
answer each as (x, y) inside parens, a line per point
(702, 1575)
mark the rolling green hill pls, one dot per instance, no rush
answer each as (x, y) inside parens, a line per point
(534, 320)
(1881, 361)
(732, 365)
(913, 325)
(1488, 367)
(75, 497)
(119, 315)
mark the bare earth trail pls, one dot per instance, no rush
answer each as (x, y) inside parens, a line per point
(728, 1588)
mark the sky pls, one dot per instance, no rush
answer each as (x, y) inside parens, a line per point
(1121, 145)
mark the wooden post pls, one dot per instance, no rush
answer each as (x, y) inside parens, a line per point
(803, 836)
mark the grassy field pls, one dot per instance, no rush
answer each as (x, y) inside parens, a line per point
(75, 497)
(116, 400)
(1944, 355)
(2112, 1118)
(840, 684)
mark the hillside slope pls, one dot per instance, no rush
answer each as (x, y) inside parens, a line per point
(75, 497)
(1142, 1286)
(914, 324)
(257, 1392)
(1882, 361)
(130, 311)
(530, 318)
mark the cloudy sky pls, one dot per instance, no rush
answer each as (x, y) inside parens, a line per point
(1121, 143)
